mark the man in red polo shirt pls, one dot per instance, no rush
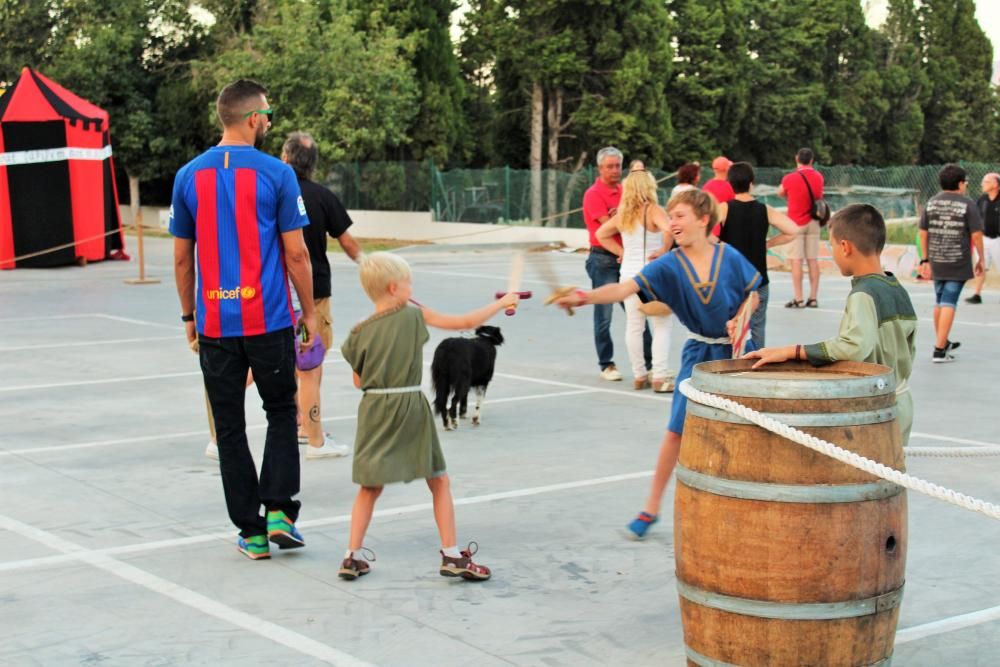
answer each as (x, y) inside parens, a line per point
(600, 203)
(795, 187)
(719, 186)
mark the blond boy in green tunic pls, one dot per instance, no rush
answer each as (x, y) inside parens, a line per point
(396, 437)
(879, 324)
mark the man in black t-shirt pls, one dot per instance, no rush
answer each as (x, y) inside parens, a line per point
(327, 216)
(989, 209)
(950, 226)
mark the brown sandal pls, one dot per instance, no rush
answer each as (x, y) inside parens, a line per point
(795, 303)
(464, 567)
(352, 568)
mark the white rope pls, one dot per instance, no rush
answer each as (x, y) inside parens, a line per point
(955, 452)
(840, 454)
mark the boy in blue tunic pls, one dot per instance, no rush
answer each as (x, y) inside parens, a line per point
(705, 285)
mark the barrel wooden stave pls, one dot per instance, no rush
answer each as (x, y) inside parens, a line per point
(864, 640)
(755, 554)
(797, 552)
(747, 452)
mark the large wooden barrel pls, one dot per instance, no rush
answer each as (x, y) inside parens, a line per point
(786, 556)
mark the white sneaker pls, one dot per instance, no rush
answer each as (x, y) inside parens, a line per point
(328, 449)
(212, 450)
(611, 373)
(304, 439)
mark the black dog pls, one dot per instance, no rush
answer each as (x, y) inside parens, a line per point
(461, 363)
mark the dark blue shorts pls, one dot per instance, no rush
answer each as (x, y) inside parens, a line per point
(947, 292)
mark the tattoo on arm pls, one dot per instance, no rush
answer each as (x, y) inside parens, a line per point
(314, 414)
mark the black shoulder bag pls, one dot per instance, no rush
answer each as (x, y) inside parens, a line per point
(820, 210)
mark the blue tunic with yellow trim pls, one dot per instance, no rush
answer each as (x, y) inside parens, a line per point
(703, 307)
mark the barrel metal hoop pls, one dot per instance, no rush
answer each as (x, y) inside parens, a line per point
(705, 661)
(791, 611)
(787, 493)
(804, 419)
(730, 384)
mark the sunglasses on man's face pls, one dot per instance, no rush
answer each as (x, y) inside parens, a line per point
(267, 112)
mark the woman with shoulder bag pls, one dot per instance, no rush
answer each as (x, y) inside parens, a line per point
(637, 233)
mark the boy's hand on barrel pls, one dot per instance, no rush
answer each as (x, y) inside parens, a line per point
(771, 355)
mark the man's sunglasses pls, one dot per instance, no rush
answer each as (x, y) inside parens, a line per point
(266, 112)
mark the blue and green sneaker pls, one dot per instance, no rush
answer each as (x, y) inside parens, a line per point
(281, 530)
(254, 547)
(640, 525)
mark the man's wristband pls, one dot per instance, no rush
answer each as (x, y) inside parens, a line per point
(582, 296)
(187, 318)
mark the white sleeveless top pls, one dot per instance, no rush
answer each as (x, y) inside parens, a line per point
(633, 258)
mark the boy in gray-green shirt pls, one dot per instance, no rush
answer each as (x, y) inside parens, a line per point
(879, 324)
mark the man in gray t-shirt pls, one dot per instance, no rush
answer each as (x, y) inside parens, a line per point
(949, 226)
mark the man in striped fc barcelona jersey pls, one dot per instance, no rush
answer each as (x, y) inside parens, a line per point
(237, 217)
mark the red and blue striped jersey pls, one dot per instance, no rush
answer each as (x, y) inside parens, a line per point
(235, 202)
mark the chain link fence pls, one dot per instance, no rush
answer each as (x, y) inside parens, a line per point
(504, 195)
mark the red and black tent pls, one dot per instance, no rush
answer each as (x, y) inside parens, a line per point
(57, 182)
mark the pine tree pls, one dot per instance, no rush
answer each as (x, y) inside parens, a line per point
(960, 112)
(897, 119)
(438, 130)
(787, 52)
(852, 83)
(608, 64)
(709, 92)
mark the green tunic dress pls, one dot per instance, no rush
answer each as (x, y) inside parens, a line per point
(396, 438)
(879, 326)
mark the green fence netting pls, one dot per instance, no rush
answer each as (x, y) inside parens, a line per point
(504, 195)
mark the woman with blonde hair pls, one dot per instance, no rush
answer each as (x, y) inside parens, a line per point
(637, 233)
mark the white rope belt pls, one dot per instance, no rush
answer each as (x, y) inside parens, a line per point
(393, 390)
(840, 454)
(711, 341)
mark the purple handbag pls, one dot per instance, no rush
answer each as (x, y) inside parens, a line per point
(311, 358)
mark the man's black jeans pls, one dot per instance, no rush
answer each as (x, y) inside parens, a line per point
(224, 364)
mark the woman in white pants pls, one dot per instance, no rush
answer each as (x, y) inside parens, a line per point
(638, 233)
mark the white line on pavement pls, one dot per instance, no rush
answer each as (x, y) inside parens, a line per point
(160, 545)
(134, 378)
(193, 434)
(88, 343)
(197, 601)
(950, 624)
(664, 398)
(948, 438)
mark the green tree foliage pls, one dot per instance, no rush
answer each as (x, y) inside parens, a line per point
(896, 115)
(354, 91)
(813, 78)
(607, 62)
(960, 112)
(438, 130)
(26, 32)
(709, 92)
(851, 80)
(131, 57)
(477, 62)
